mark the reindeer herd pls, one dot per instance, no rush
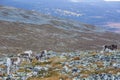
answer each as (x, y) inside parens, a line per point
(28, 55)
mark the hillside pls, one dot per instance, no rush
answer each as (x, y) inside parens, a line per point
(22, 30)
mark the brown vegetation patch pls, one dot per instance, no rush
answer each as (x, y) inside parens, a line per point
(76, 58)
(20, 36)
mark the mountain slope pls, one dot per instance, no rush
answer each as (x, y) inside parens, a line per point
(21, 30)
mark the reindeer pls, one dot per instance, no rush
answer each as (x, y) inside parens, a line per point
(110, 47)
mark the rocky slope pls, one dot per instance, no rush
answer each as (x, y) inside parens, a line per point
(22, 29)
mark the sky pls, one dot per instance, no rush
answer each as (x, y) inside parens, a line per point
(90, 0)
(111, 0)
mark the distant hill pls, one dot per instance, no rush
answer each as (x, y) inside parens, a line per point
(21, 30)
(100, 13)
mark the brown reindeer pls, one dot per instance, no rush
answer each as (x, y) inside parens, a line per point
(110, 47)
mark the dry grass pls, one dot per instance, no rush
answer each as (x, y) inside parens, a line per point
(93, 53)
(24, 63)
(53, 76)
(55, 62)
(81, 66)
(76, 58)
(85, 72)
(2, 66)
(108, 54)
(50, 78)
(84, 76)
(24, 70)
(99, 64)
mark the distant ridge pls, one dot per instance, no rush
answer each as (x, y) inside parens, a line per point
(22, 29)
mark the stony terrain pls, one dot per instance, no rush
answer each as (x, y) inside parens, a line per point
(82, 65)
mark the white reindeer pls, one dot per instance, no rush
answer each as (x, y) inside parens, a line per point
(29, 53)
(8, 64)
